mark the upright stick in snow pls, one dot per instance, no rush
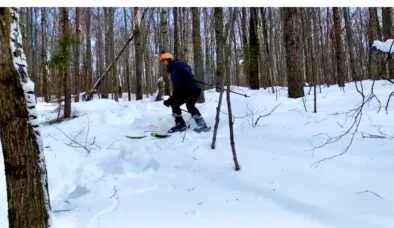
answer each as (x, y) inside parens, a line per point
(25, 170)
(229, 31)
(230, 113)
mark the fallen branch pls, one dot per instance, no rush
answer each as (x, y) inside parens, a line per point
(381, 136)
(89, 95)
(255, 124)
(87, 147)
(388, 101)
(357, 115)
(367, 191)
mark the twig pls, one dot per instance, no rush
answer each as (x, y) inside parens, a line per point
(82, 146)
(62, 210)
(255, 124)
(367, 191)
(304, 102)
(115, 194)
(357, 113)
(388, 101)
(109, 147)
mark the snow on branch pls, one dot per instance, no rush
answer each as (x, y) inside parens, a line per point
(386, 47)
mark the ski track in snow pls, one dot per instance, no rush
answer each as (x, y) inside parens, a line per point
(93, 222)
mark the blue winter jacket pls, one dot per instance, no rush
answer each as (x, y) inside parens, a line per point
(182, 77)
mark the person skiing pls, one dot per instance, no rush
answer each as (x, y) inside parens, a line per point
(185, 90)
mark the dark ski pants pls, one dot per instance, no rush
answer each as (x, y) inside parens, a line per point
(190, 98)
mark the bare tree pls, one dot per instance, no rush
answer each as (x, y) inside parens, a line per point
(127, 64)
(138, 54)
(388, 33)
(77, 71)
(338, 47)
(87, 63)
(176, 32)
(198, 63)
(220, 42)
(373, 35)
(292, 47)
(349, 37)
(44, 56)
(164, 46)
(254, 82)
(64, 45)
(24, 162)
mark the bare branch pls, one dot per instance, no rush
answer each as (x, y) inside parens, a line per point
(87, 146)
(266, 114)
(388, 101)
(367, 191)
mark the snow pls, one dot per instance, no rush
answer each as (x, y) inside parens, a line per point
(150, 182)
(386, 46)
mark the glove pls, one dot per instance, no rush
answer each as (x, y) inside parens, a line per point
(167, 103)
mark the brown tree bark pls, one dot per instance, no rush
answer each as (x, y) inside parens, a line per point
(27, 186)
(164, 46)
(87, 65)
(338, 47)
(198, 63)
(388, 33)
(373, 35)
(77, 70)
(138, 54)
(220, 42)
(65, 27)
(127, 64)
(254, 82)
(44, 62)
(349, 37)
(292, 49)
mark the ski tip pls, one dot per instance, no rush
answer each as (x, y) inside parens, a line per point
(135, 137)
(159, 135)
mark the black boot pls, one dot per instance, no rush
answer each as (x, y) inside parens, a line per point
(180, 124)
(201, 125)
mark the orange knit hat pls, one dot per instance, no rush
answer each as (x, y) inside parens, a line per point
(165, 55)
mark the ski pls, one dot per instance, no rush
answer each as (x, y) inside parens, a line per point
(153, 134)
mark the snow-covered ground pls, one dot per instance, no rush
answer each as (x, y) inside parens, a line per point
(171, 182)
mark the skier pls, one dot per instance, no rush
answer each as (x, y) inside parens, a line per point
(186, 90)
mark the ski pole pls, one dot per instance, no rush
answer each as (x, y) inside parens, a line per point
(204, 83)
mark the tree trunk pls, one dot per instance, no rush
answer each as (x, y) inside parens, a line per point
(176, 32)
(77, 71)
(220, 42)
(107, 48)
(87, 65)
(373, 35)
(127, 64)
(338, 47)
(138, 54)
(292, 48)
(349, 37)
(44, 61)
(198, 63)
(164, 46)
(207, 41)
(114, 79)
(24, 161)
(245, 44)
(254, 82)
(388, 33)
(266, 53)
(64, 21)
(100, 64)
